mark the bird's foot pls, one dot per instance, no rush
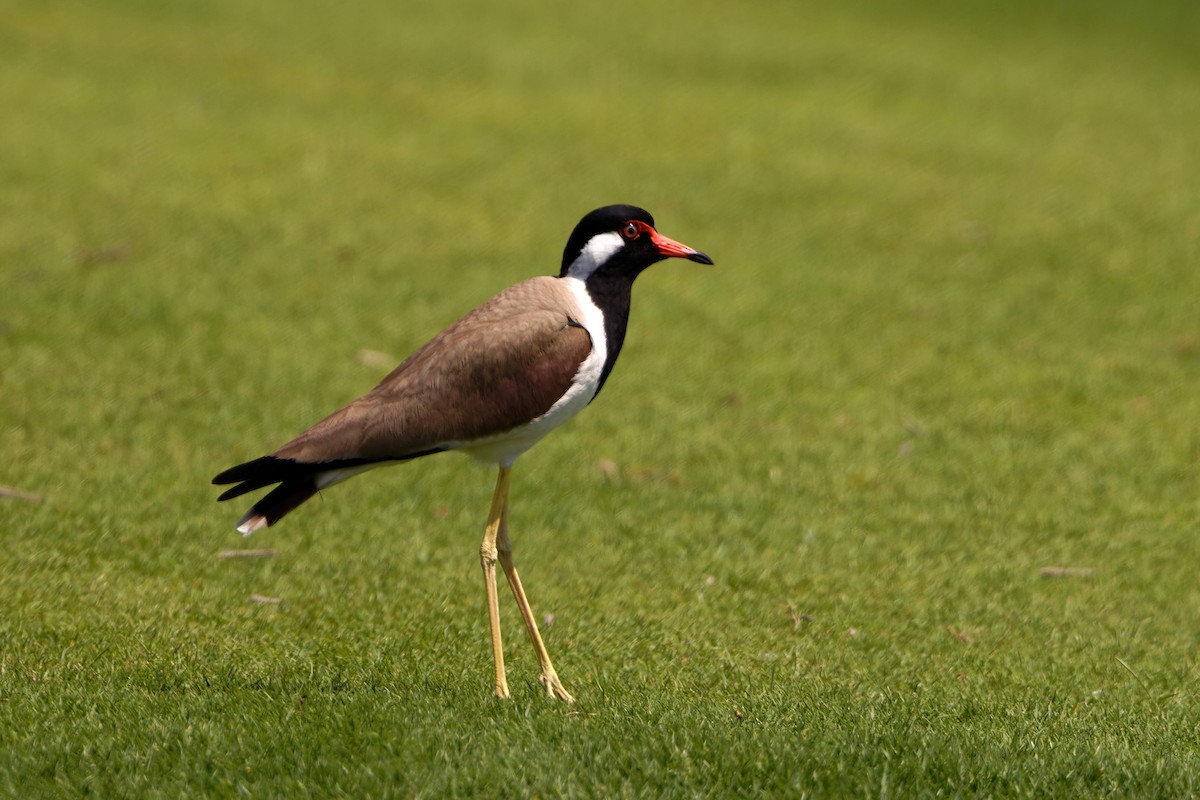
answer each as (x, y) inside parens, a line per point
(554, 687)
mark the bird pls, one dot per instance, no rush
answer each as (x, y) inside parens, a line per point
(491, 385)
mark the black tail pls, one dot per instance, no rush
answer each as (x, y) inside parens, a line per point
(267, 470)
(297, 482)
(276, 504)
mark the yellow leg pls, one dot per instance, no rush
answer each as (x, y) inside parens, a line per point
(549, 677)
(487, 557)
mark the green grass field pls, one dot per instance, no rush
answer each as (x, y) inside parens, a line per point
(797, 546)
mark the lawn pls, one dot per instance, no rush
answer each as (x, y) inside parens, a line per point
(899, 499)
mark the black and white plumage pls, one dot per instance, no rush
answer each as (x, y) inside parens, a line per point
(491, 385)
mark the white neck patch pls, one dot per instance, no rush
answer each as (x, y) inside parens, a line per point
(599, 249)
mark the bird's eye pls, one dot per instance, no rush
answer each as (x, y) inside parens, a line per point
(630, 231)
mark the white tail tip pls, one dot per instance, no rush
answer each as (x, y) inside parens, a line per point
(250, 524)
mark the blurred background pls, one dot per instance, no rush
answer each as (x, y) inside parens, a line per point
(951, 340)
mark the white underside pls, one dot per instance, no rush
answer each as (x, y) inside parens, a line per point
(326, 479)
(504, 448)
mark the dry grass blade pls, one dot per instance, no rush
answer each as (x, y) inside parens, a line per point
(1067, 572)
(21, 494)
(92, 256)
(959, 635)
(376, 359)
(245, 554)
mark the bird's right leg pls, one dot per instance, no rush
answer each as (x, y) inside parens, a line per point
(549, 678)
(487, 557)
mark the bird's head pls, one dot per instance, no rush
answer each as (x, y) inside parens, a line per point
(620, 241)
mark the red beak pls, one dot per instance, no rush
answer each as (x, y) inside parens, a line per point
(673, 249)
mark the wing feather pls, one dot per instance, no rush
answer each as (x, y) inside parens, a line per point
(493, 370)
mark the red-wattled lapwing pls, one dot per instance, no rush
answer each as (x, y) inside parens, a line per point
(490, 385)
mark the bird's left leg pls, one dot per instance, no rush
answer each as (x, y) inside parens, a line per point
(487, 557)
(549, 678)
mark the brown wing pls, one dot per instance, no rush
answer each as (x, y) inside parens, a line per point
(495, 369)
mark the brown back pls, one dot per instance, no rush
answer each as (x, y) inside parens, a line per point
(496, 368)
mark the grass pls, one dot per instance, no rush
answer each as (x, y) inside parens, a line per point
(795, 549)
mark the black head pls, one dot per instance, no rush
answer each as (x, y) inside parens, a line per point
(619, 240)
